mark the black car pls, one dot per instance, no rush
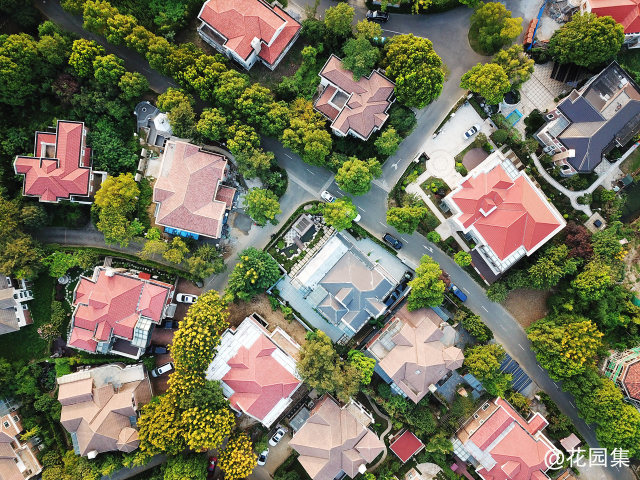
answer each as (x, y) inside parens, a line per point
(377, 16)
(156, 350)
(393, 241)
(392, 298)
(169, 325)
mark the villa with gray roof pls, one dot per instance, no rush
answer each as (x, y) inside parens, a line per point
(591, 122)
(344, 286)
(14, 312)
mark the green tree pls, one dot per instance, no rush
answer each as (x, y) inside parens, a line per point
(176, 251)
(433, 236)
(355, 175)
(238, 460)
(388, 141)
(173, 97)
(231, 85)
(59, 263)
(242, 138)
(368, 30)
(493, 27)
(115, 203)
(416, 68)
(255, 272)
(133, 85)
(462, 258)
(206, 261)
(262, 205)
(439, 447)
(339, 214)
(276, 119)
(488, 80)
(593, 282)
(587, 40)
(363, 364)
(406, 219)
(483, 361)
(254, 103)
(360, 56)
(255, 163)
(427, 288)
(515, 63)
(107, 69)
(565, 346)
(474, 325)
(212, 124)
(551, 267)
(183, 120)
(83, 53)
(307, 134)
(338, 19)
(497, 292)
(20, 66)
(33, 216)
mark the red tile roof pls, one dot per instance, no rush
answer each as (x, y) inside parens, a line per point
(625, 12)
(506, 213)
(66, 172)
(112, 305)
(514, 444)
(369, 99)
(188, 188)
(323, 105)
(240, 21)
(257, 379)
(631, 379)
(406, 446)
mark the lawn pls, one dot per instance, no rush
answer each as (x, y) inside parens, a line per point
(632, 162)
(26, 344)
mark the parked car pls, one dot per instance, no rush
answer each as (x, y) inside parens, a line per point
(262, 458)
(273, 441)
(327, 197)
(393, 241)
(392, 298)
(406, 278)
(377, 16)
(212, 464)
(186, 298)
(471, 132)
(169, 324)
(156, 350)
(166, 368)
(358, 218)
(458, 293)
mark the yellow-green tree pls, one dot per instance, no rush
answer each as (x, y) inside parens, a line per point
(238, 460)
(160, 427)
(206, 429)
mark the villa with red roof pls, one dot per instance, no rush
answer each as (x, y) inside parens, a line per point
(625, 12)
(248, 30)
(189, 195)
(503, 446)
(115, 312)
(257, 369)
(623, 368)
(354, 107)
(504, 212)
(61, 167)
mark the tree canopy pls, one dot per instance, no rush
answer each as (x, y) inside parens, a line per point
(406, 219)
(493, 27)
(355, 175)
(427, 288)
(488, 80)
(255, 272)
(339, 214)
(587, 40)
(262, 205)
(360, 56)
(338, 19)
(515, 63)
(115, 203)
(416, 68)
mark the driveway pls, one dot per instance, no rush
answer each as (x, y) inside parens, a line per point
(277, 456)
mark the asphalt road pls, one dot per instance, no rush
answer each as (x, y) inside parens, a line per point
(306, 180)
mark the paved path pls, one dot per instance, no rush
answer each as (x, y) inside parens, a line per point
(384, 434)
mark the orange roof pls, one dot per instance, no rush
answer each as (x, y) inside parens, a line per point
(625, 12)
(240, 21)
(65, 172)
(507, 213)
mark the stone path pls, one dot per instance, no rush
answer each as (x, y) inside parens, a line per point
(372, 468)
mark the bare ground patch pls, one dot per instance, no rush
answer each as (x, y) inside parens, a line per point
(260, 304)
(527, 306)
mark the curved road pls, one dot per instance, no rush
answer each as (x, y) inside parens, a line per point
(307, 181)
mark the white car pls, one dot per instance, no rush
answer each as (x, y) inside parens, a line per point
(273, 441)
(327, 197)
(186, 298)
(471, 132)
(262, 458)
(166, 368)
(358, 218)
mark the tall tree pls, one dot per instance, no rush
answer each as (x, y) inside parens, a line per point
(587, 40)
(355, 175)
(368, 30)
(551, 267)
(360, 56)
(339, 214)
(212, 124)
(515, 63)
(238, 460)
(255, 272)
(83, 53)
(483, 361)
(427, 289)
(262, 205)
(107, 69)
(338, 19)
(594, 280)
(307, 134)
(416, 68)
(388, 141)
(488, 80)
(115, 202)
(493, 26)
(406, 219)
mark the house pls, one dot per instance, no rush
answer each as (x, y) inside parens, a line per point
(405, 445)
(61, 166)
(257, 369)
(625, 12)
(153, 123)
(343, 285)
(354, 107)
(504, 213)
(14, 311)
(424, 471)
(189, 195)
(335, 440)
(623, 368)
(414, 351)
(501, 445)
(100, 407)
(248, 30)
(116, 311)
(586, 126)
(18, 459)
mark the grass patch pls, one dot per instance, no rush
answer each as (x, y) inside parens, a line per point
(479, 110)
(26, 344)
(631, 163)
(410, 175)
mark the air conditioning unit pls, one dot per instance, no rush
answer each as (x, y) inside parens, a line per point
(549, 149)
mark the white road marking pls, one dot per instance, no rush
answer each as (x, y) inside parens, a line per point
(465, 289)
(362, 209)
(309, 171)
(521, 346)
(541, 368)
(428, 248)
(484, 308)
(288, 156)
(572, 404)
(382, 224)
(392, 31)
(395, 165)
